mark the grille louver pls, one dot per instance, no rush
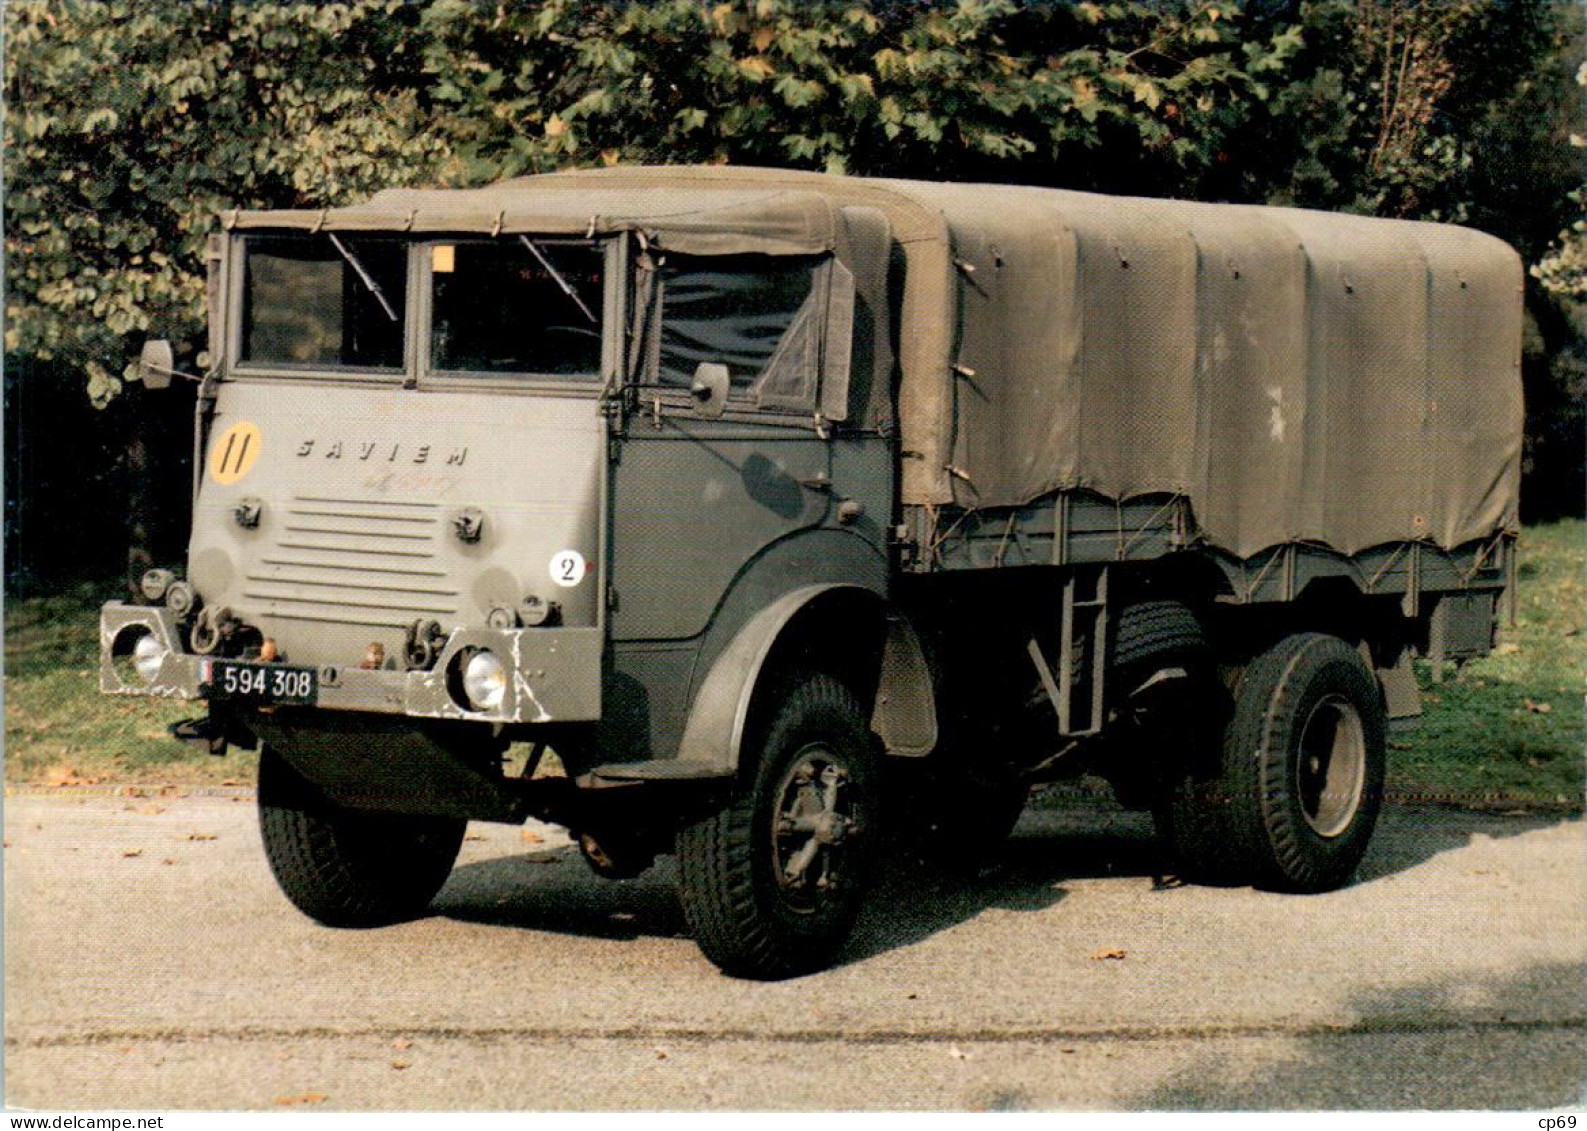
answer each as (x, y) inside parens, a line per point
(353, 561)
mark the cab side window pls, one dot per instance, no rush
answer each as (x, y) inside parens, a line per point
(756, 314)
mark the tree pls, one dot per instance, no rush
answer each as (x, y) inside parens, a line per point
(1563, 271)
(130, 124)
(1086, 94)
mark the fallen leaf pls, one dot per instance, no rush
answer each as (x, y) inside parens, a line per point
(200, 836)
(1401, 746)
(1508, 648)
(168, 860)
(64, 775)
(957, 1053)
(1115, 955)
(131, 852)
(1537, 708)
(399, 1065)
(305, 1098)
(529, 836)
(401, 1043)
(661, 1054)
(474, 836)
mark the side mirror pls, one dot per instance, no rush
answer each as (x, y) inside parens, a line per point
(156, 364)
(711, 383)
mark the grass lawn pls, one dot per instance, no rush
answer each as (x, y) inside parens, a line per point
(1509, 727)
(60, 730)
(1506, 730)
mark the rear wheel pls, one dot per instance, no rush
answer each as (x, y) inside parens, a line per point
(1294, 796)
(348, 867)
(771, 884)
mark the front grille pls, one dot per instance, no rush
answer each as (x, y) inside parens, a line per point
(353, 561)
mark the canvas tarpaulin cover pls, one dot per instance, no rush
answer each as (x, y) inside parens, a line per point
(1296, 376)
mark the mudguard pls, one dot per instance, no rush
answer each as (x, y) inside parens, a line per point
(904, 716)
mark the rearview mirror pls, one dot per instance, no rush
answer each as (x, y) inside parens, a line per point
(711, 383)
(156, 364)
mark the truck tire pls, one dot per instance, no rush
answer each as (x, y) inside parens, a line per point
(1294, 798)
(1156, 632)
(1161, 676)
(346, 867)
(771, 884)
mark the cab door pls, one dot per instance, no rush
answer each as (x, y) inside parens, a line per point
(703, 505)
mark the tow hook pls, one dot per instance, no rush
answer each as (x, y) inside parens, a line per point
(201, 731)
(215, 732)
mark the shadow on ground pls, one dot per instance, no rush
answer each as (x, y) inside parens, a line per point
(1058, 841)
(1436, 1045)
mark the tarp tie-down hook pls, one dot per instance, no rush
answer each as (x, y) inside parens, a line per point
(501, 218)
(589, 233)
(319, 221)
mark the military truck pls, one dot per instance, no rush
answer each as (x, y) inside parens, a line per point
(784, 509)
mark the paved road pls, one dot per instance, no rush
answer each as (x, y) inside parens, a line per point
(150, 963)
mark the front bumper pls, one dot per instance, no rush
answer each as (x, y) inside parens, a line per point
(554, 673)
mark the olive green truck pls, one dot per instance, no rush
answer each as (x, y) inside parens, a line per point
(787, 509)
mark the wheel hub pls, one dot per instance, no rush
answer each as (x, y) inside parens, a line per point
(1331, 768)
(813, 822)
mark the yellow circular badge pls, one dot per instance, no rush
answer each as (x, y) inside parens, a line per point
(233, 452)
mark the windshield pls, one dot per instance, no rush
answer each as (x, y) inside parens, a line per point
(324, 300)
(517, 305)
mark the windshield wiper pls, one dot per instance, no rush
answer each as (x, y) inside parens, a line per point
(567, 288)
(366, 277)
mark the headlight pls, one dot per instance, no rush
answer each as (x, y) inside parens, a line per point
(484, 681)
(147, 656)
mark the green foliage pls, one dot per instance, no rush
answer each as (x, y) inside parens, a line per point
(1563, 271)
(130, 124)
(981, 89)
(1410, 109)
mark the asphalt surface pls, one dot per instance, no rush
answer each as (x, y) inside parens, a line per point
(151, 964)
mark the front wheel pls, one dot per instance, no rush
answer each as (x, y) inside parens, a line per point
(771, 884)
(1295, 796)
(349, 867)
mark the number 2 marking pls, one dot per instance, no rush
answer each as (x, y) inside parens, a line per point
(568, 568)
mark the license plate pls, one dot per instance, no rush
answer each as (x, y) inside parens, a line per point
(263, 683)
